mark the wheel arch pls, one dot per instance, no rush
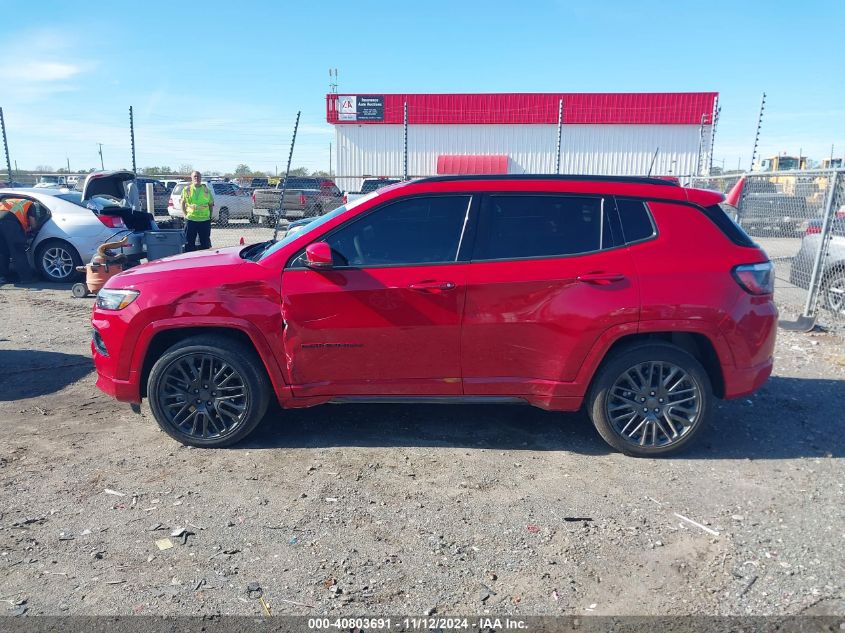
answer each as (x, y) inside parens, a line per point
(165, 338)
(696, 344)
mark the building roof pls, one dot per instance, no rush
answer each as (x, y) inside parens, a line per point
(644, 108)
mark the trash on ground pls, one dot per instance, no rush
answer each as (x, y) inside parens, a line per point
(109, 491)
(164, 543)
(254, 591)
(696, 524)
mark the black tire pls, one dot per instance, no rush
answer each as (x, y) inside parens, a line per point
(613, 390)
(270, 221)
(245, 375)
(56, 261)
(833, 293)
(253, 219)
(223, 217)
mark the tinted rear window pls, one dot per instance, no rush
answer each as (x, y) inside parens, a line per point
(731, 229)
(636, 220)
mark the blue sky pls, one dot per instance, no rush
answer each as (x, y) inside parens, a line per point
(215, 84)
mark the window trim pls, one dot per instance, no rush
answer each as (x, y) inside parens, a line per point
(615, 224)
(470, 219)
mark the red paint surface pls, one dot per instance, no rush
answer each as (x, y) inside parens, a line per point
(649, 108)
(525, 328)
(471, 164)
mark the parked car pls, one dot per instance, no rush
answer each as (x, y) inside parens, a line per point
(368, 186)
(297, 225)
(230, 202)
(160, 194)
(640, 300)
(77, 223)
(832, 268)
(257, 183)
(6, 184)
(51, 182)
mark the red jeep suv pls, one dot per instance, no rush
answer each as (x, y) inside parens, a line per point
(635, 298)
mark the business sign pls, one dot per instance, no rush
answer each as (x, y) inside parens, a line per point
(360, 108)
(346, 108)
(371, 108)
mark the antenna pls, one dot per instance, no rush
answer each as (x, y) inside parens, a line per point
(333, 80)
(653, 158)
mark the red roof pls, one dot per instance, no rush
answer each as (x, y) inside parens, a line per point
(460, 164)
(656, 108)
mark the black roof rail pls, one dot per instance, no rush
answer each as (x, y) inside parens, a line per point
(642, 180)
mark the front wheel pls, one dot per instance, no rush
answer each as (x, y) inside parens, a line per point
(56, 261)
(650, 400)
(208, 392)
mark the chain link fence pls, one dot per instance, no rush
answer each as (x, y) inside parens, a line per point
(798, 217)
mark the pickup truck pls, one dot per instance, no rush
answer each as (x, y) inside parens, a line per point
(368, 186)
(299, 203)
(304, 197)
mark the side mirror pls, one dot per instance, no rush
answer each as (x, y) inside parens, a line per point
(319, 256)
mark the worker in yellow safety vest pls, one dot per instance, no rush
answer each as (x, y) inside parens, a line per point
(198, 206)
(17, 222)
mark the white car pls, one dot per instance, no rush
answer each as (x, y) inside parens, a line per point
(230, 202)
(77, 223)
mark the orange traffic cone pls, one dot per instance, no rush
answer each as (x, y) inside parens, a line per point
(242, 240)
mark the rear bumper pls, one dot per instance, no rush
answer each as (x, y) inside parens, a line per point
(745, 381)
(271, 213)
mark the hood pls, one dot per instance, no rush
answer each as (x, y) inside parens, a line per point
(196, 264)
(107, 183)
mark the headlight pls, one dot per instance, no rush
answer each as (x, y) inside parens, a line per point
(115, 299)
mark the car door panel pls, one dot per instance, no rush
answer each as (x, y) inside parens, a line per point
(370, 332)
(530, 322)
(386, 319)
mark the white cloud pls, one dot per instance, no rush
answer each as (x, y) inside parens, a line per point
(39, 71)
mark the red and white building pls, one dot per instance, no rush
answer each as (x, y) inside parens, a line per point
(515, 133)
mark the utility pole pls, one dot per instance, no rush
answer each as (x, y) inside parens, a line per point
(757, 136)
(132, 139)
(102, 165)
(5, 145)
(67, 158)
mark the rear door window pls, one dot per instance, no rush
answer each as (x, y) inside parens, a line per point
(532, 226)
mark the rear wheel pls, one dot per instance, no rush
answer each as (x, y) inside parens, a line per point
(650, 400)
(270, 221)
(313, 212)
(56, 260)
(833, 292)
(208, 392)
(223, 217)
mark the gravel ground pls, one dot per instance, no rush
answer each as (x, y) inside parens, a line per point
(364, 509)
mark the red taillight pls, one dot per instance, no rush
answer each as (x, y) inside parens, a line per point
(253, 199)
(345, 199)
(756, 279)
(112, 221)
(169, 202)
(813, 228)
(302, 199)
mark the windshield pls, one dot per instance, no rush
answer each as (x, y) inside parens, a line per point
(275, 246)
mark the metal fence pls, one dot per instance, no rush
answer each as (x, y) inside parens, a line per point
(798, 217)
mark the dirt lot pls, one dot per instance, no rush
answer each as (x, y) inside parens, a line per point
(400, 509)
